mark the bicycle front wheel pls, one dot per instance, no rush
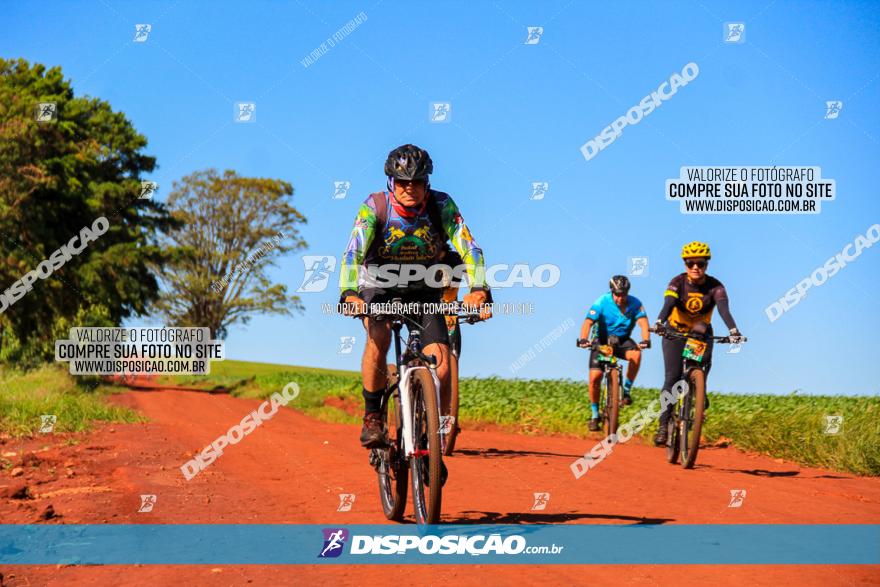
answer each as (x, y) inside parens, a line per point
(612, 401)
(453, 404)
(692, 418)
(426, 464)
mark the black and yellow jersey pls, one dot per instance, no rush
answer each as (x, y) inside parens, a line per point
(694, 302)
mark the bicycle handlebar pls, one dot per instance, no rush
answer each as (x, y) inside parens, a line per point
(669, 333)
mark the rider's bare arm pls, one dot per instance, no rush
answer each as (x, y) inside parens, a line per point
(585, 328)
(643, 325)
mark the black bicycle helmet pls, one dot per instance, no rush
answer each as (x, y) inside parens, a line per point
(619, 284)
(409, 162)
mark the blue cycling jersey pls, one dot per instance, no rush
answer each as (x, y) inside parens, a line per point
(610, 321)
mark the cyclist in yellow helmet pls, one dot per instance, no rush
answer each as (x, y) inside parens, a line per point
(688, 304)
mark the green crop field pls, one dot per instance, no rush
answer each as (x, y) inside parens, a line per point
(790, 427)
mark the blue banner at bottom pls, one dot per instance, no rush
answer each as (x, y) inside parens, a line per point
(270, 544)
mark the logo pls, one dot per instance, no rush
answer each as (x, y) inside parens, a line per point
(245, 112)
(737, 497)
(638, 267)
(317, 275)
(734, 32)
(446, 424)
(539, 189)
(346, 345)
(47, 423)
(832, 109)
(148, 188)
(346, 500)
(833, 424)
(334, 539)
(541, 501)
(141, 32)
(734, 348)
(340, 189)
(440, 112)
(694, 303)
(46, 111)
(147, 503)
(534, 35)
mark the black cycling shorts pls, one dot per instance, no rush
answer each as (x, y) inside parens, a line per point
(619, 352)
(433, 326)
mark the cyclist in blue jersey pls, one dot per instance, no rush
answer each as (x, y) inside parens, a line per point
(612, 319)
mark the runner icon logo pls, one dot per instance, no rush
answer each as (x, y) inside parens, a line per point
(441, 112)
(833, 424)
(541, 500)
(534, 35)
(46, 111)
(734, 32)
(334, 539)
(340, 189)
(832, 109)
(147, 503)
(47, 423)
(346, 344)
(446, 423)
(346, 500)
(317, 275)
(539, 189)
(142, 32)
(638, 267)
(737, 497)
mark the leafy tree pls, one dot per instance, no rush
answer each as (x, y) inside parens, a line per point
(56, 177)
(231, 228)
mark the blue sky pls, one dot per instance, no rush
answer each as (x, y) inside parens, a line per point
(520, 114)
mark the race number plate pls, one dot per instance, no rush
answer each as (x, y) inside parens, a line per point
(694, 349)
(606, 354)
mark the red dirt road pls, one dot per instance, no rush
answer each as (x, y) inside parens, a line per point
(292, 468)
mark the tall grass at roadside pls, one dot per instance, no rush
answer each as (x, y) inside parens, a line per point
(50, 390)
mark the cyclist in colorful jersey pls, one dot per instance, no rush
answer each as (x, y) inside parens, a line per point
(615, 315)
(688, 304)
(404, 226)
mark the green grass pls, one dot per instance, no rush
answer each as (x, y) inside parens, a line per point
(25, 396)
(790, 427)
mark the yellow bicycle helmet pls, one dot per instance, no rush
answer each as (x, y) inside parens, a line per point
(696, 249)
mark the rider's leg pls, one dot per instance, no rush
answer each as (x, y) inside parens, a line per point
(634, 361)
(672, 350)
(373, 364)
(441, 353)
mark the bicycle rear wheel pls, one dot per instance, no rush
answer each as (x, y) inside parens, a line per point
(692, 420)
(426, 463)
(612, 401)
(390, 464)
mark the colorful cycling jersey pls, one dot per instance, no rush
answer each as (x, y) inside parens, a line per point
(694, 302)
(410, 238)
(610, 321)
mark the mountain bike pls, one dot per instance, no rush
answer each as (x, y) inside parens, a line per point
(411, 415)
(609, 390)
(686, 422)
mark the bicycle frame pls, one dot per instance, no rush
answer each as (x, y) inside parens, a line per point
(406, 368)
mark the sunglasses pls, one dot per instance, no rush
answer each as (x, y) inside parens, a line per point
(405, 183)
(692, 264)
